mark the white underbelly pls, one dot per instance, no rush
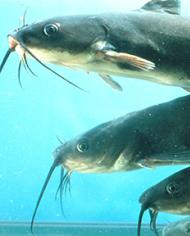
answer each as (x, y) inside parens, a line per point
(87, 63)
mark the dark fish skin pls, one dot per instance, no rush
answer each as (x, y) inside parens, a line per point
(82, 41)
(171, 195)
(155, 136)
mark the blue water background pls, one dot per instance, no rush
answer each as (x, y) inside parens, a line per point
(46, 107)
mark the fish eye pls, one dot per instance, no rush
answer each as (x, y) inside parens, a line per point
(50, 29)
(83, 146)
(173, 188)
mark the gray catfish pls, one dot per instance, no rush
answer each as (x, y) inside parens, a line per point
(156, 136)
(179, 228)
(170, 195)
(151, 43)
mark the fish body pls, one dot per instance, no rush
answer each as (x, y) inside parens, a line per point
(155, 136)
(179, 228)
(86, 42)
(171, 195)
(150, 43)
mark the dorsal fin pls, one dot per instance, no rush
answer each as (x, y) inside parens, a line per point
(164, 6)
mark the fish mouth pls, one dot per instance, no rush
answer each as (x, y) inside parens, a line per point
(78, 165)
(12, 42)
(22, 50)
(86, 167)
(14, 45)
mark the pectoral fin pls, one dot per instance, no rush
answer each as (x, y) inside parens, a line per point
(111, 82)
(106, 51)
(135, 61)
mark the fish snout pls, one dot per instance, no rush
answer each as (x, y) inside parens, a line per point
(144, 197)
(14, 45)
(148, 199)
(21, 36)
(59, 154)
(12, 42)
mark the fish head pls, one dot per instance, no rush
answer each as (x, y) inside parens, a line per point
(95, 151)
(170, 195)
(59, 40)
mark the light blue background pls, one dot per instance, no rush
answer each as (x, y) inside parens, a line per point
(46, 107)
